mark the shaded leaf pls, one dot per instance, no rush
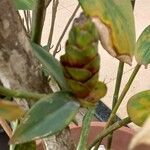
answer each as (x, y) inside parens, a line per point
(115, 22)
(143, 137)
(47, 117)
(142, 52)
(10, 110)
(53, 67)
(24, 4)
(26, 146)
(138, 107)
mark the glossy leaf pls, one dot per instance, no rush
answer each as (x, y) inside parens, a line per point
(138, 107)
(47, 117)
(10, 110)
(142, 52)
(24, 4)
(115, 23)
(143, 137)
(26, 146)
(53, 67)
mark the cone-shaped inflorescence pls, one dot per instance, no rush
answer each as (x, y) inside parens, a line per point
(81, 62)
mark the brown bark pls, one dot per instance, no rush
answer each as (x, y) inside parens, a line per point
(18, 67)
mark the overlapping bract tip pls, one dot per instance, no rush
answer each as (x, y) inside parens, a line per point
(81, 62)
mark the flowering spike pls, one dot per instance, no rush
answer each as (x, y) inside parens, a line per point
(81, 62)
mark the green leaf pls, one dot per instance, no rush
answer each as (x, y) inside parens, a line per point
(10, 110)
(138, 107)
(26, 146)
(52, 65)
(47, 117)
(142, 52)
(24, 4)
(115, 22)
(82, 145)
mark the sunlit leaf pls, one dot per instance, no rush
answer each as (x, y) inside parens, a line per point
(142, 52)
(143, 137)
(24, 4)
(47, 117)
(10, 110)
(51, 64)
(115, 23)
(138, 107)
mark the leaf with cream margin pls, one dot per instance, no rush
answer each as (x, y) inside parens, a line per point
(47, 117)
(143, 137)
(115, 22)
(10, 110)
(142, 50)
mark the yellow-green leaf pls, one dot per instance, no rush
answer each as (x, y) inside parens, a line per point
(115, 22)
(138, 107)
(10, 110)
(142, 52)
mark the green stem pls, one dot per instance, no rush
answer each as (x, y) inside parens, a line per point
(47, 3)
(64, 31)
(20, 94)
(54, 12)
(26, 21)
(118, 83)
(85, 129)
(110, 129)
(124, 92)
(133, 3)
(115, 98)
(38, 21)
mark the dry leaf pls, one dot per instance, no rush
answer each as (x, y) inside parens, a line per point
(10, 110)
(143, 137)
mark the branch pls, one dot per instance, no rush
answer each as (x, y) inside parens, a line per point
(38, 21)
(110, 129)
(20, 94)
(66, 27)
(54, 11)
(47, 3)
(85, 129)
(115, 97)
(6, 127)
(124, 92)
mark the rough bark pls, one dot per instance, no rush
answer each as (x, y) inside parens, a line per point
(18, 67)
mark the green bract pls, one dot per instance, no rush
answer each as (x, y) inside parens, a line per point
(138, 107)
(115, 22)
(81, 62)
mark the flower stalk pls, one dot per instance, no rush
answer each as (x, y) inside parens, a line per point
(20, 94)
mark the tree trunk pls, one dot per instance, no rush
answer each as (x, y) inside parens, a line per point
(18, 67)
